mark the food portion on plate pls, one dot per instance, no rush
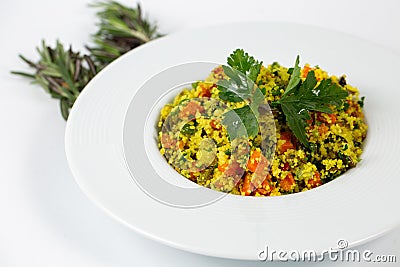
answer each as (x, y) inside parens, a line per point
(256, 130)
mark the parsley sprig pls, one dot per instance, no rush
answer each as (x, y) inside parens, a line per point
(242, 73)
(298, 100)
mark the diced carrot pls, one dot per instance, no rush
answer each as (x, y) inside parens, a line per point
(222, 167)
(246, 185)
(167, 141)
(287, 183)
(285, 146)
(255, 158)
(323, 129)
(262, 165)
(261, 172)
(288, 144)
(266, 184)
(286, 136)
(215, 125)
(305, 71)
(332, 118)
(314, 181)
(181, 144)
(205, 92)
(266, 181)
(193, 177)
(233, 169)
(262, 191)
(191, 109)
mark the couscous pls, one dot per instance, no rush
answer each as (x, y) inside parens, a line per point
(204, 150)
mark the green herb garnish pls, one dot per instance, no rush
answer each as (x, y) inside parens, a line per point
(247, 116)
(302, 97)
(294, 78)
(361, 101)
(241, 61)
(346, 106)
(188, 129)
(195, 84)
(242, 73)
(296, 102)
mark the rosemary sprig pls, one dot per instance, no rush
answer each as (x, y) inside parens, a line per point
(120, 29)
(64, 73)
(61, 73)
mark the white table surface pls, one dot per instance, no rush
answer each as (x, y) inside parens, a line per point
(45, 219)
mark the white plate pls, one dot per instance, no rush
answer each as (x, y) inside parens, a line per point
(355, 207)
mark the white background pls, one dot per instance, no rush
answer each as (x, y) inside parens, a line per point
(45, 220)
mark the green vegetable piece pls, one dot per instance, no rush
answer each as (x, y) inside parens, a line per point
(195, 84)
(187, 129)
(361, 101)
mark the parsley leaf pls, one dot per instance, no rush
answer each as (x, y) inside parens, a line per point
(237, 89)
(242, 73)
(241, 61)
(296, 119)
(306, 97)
(235, 119)
(294, 78)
